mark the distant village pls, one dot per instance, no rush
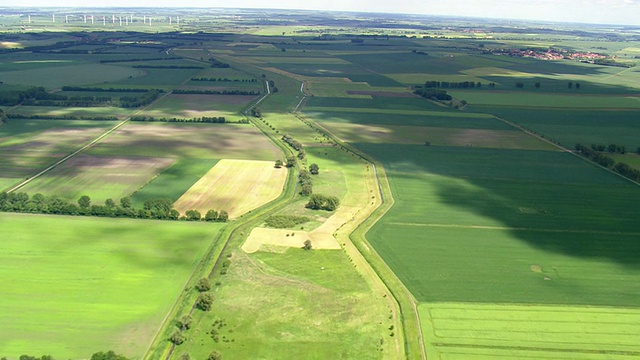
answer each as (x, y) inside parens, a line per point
(550, 54)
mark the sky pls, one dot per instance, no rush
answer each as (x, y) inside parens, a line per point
(586, 11)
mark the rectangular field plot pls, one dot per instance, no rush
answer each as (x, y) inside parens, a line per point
(504, 139)
(72, 286)
(236, 186)
(83, 74)
(549, 100)
(185, 140)
(174, 181)
(99, 177)
(571, 127)
(27, 146)
(496, 331)
(485, 225)
(194, 105)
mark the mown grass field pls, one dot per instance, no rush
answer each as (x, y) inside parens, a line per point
(73, 286)
(286, 304)
(479, 331)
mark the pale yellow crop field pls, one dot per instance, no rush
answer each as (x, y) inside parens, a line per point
(235, 186)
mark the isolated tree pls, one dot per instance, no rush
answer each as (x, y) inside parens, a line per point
(84, 202)
(205, 301)
(306, 189)
(569, 85)
(537, 85)
(307, 244)
(211, 215)
(203, 285)
(177, 337)
(519, 84)
(279, 164)
(193, 215)
(184, 322)
(109, 355)
(223, 216)
(314, 169)
(291, 161)
(577, 86)
(125, 202)
(215, 355)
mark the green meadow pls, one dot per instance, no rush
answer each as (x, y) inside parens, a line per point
(76, 285)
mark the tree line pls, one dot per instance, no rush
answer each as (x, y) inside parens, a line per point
(159, 208)
(98, 89)
(217, 92)
(107, 61)
(452, 85)
(167, 67)
(58, 117)
(323, 202)
(203, 119)
(606, 161)
(38, 96)
(433, 94)
(222, 79)
(218, 64)
(109, 355)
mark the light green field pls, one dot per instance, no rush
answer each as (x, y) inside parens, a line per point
(73, 286)
(497, 331)
(73, 111)
(481, 97)
(286, 305)
(192, 105)
(69, 75)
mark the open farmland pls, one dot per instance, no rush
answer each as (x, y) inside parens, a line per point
(84, 74)
(479, 331)
(235, 186)
(99, 177)
(196, 106)
(29, 145)
(74, 285)
(184, 140)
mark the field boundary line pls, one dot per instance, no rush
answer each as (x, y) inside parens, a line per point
(83, 148)
(564, 149)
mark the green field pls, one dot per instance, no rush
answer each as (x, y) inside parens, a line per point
(479, 331)
(69, 75)
(73, 286)
(286, 304)
(174, 181)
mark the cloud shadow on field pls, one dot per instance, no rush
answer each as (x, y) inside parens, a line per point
(550, 200)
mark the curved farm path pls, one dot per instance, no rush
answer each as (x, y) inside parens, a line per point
(373, 199)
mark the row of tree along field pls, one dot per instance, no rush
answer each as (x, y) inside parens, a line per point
(160, 208)
(606, 161)
(109, 355)
(38, 96)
